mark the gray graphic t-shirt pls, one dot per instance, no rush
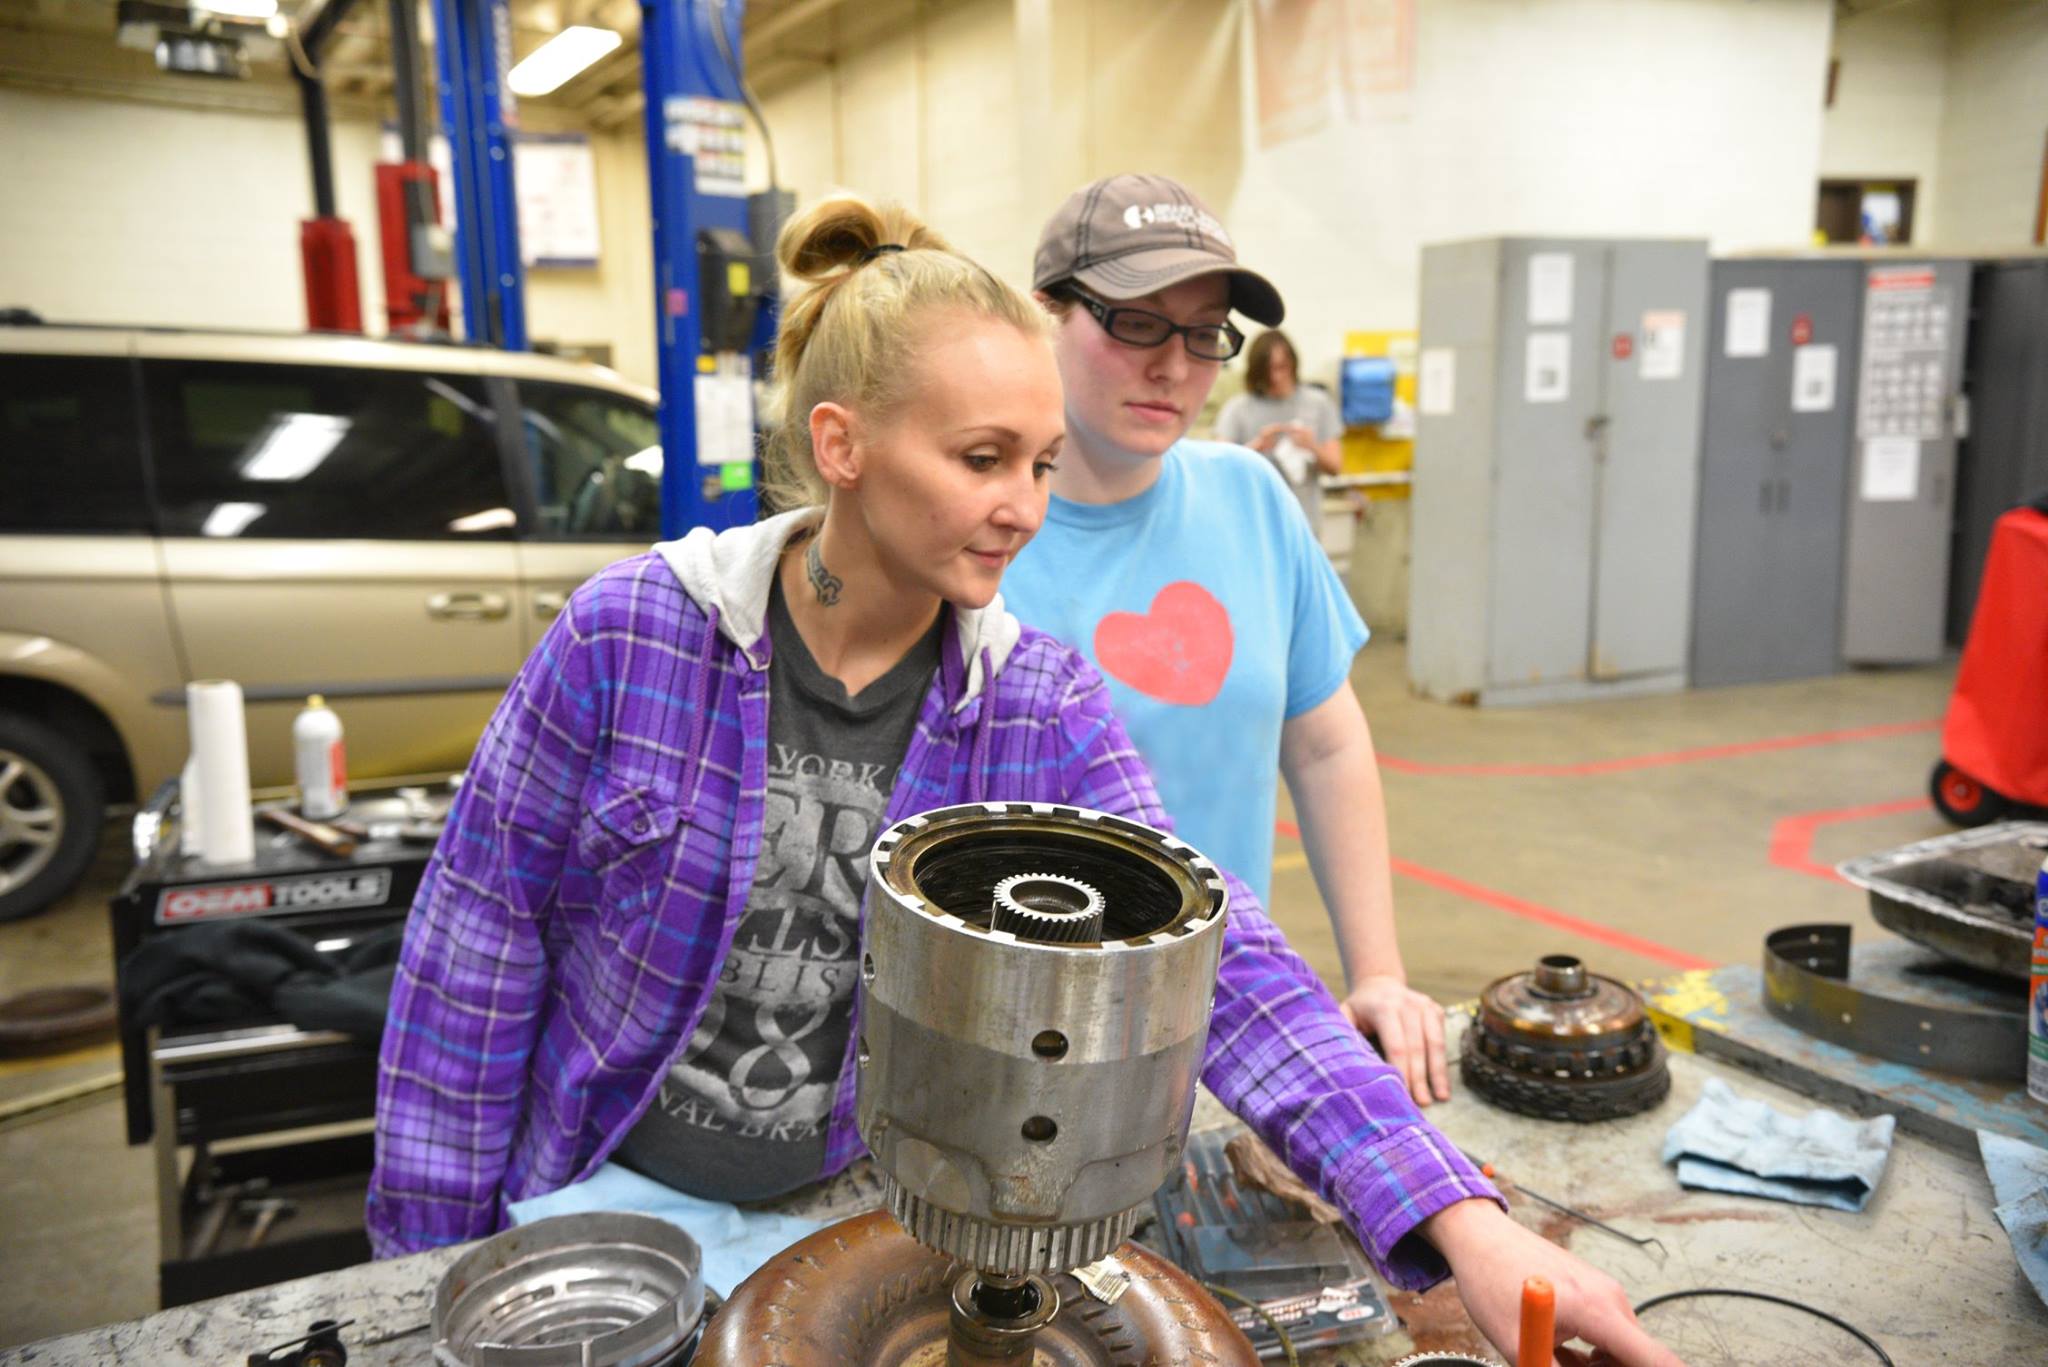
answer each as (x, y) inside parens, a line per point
(742, 1113)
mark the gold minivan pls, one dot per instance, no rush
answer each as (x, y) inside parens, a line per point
(391, 524)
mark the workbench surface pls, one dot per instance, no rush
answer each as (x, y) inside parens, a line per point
(1925, 1269)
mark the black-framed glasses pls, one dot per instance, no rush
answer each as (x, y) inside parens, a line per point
(1144, 328)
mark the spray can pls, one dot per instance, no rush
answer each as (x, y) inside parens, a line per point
(318, 758)
(2037, 995)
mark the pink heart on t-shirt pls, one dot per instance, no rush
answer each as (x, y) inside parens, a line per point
(1178, 651)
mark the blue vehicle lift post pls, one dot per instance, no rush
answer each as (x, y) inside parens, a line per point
(684, 68)
(473, 50)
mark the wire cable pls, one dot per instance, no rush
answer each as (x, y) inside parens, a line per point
(1839, 1323)
(1286, 1343)
(739, 79)
(297, 53)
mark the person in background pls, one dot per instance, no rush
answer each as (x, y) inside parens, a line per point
(1294, 425)
(1185, 572)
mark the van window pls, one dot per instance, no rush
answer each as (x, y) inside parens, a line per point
(596, 463)
(324, 451)
(68, 455)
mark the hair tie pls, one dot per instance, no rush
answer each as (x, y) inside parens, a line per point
(873, 252)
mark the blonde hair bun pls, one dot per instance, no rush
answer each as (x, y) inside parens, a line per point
(839, 234)
(866, 276)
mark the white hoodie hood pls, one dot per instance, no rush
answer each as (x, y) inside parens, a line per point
(733, 571)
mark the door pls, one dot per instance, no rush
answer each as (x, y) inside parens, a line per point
(345, 531)
(591, 463)
(1774, 440)
(81, 585)
(1547, 395)
(1647, 453)
(1901, 495)
(1815, 415)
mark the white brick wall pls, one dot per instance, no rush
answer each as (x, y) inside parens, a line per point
(1995, 123)
(119, 212)
(1889, 96)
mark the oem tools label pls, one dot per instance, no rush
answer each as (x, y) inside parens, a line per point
(256, 897)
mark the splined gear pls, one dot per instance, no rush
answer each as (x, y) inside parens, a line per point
(1008, 1250)
(1047, 908)
(1560, 1043)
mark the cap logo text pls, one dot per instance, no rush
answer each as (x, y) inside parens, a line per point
(1177, 216)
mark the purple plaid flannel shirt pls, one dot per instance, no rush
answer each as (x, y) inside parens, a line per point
(570, 928)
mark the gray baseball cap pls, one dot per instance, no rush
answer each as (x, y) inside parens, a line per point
(1128, 235)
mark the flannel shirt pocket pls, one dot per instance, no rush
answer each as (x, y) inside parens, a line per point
(626, 840)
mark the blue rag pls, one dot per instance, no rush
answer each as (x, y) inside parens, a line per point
(2019, 1181)
(735, 1241)
(1730, 1143)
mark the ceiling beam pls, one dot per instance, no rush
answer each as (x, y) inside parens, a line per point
(791, 19)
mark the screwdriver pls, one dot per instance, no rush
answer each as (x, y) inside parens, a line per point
(1539, 1323)
(1488, 1170)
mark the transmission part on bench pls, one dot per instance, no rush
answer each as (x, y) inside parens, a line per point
(1034, 998)
(1561, 1043)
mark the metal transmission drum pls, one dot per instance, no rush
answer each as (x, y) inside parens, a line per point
(1564, 1044)
(1035, 990)
(599, 1289)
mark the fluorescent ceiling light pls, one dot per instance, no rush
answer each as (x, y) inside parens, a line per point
(228, 519)
(240, 9)
(559, 58)
(293, 446)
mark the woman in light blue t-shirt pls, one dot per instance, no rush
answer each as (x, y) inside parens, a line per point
(1186, 572)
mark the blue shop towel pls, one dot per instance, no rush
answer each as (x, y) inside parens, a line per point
(2019, 1182)
(1730, 1143)
(735, 1241)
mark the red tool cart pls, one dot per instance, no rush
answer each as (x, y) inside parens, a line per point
(1994, 743)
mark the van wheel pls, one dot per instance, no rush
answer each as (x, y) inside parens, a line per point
(52, 801)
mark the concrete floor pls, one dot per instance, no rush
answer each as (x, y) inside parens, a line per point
(1638, 867)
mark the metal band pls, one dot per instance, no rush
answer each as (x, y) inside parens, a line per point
(1806, 985)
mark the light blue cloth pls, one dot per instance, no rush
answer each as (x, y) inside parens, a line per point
(1823, 1158)
(2019, 1181)
(1209, 606)
(735, 1241)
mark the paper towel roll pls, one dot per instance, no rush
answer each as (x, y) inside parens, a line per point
(220, 745)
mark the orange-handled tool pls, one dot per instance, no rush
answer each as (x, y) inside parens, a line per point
(1539, 1323)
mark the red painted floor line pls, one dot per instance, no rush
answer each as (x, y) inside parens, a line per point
(1663, 759)
(1532, 911)
(1792, 836)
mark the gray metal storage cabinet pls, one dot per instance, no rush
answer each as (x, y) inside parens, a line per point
(1556, 464)
(1902, 476)
(2003, 460)
(1774, 469)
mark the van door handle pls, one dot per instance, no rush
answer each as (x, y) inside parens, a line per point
(549, 602)
(468, 607)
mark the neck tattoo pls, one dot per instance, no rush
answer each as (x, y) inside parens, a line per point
(824, 583)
